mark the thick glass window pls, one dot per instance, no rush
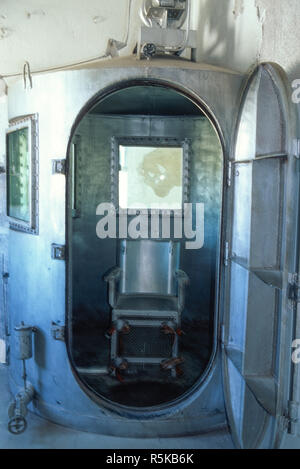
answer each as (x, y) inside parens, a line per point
(21, 140)
(150, 177)
(150, 173)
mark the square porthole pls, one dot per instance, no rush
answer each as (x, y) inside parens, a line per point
(22, 174)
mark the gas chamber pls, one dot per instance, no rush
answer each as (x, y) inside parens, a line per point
(151, 257)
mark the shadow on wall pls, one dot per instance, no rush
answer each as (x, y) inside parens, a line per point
(238, 33)
(216, 34)
(229, 33)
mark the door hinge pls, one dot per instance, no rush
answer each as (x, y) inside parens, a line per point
(292, 417)
(59, 166)
(229, 173)
(294, 288)
(296, 148)
(226, 253)
(58, 331)
(58, 251)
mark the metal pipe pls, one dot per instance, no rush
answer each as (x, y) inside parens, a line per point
(17, 410)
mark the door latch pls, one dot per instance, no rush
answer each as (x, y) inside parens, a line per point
(58, 331)
(58, 251)
(59, 166)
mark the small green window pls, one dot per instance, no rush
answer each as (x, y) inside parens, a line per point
(21, 141)
(18, 175)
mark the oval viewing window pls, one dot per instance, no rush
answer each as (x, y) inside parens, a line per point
(145, 163)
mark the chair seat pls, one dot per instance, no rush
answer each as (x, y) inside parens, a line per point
(146, 303)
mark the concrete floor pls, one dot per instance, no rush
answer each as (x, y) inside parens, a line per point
(41, 434)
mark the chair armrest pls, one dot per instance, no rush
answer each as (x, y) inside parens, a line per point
(182, 281)
(112, 277)
(113, 274)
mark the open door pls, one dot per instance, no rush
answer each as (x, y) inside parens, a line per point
(260, 311)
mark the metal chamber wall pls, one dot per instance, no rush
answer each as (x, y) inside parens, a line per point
(38, 283)
(93, 257)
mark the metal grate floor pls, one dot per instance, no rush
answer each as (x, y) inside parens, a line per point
(145, 342)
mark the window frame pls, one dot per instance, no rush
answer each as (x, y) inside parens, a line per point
(158, 142)
(31, 123)
(75, 170)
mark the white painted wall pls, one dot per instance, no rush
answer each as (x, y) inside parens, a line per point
(231, 33)
(51, 33)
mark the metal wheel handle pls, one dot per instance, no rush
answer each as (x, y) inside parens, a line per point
(17, 425)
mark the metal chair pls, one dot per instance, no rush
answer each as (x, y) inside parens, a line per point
(146, 293)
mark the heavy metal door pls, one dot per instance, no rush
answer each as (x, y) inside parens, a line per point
(260, 305)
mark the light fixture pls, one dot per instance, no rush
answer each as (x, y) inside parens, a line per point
(164, 13)
(162, 32)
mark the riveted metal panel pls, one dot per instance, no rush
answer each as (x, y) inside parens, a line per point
(37, 286)
(258, 324)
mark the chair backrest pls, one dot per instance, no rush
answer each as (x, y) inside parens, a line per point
(148, 267)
